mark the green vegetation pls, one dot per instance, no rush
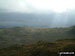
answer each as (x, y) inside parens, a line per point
(73, 30)
(28, 41)
(39, 49)
(27, 35)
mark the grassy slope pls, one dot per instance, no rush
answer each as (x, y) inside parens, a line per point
(39, 49)
(26, 35)
(15, 39)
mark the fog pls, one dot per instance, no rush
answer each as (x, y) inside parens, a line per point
(39, 13)
(38, 20)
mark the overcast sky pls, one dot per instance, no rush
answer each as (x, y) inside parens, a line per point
(36, 5)
(22, 12)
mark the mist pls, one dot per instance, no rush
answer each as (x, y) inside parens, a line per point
(39, 13)
(38, 19)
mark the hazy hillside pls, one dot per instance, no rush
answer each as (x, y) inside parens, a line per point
(27, 35)
(36, 27)
(40, 48)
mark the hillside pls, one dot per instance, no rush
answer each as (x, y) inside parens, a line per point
(40, 48)
(28, 35)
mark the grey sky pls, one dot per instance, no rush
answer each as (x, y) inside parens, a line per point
(36, 5)
(45, 13)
